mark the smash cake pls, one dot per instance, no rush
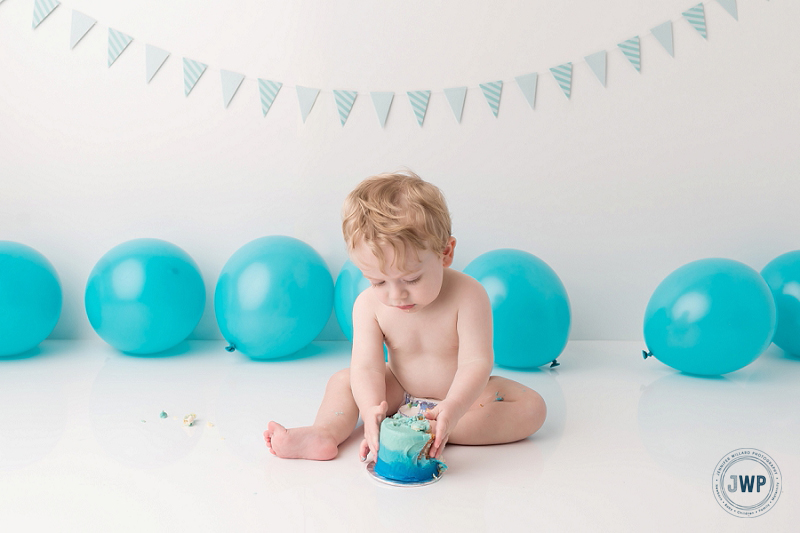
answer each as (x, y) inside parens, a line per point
(403, 450)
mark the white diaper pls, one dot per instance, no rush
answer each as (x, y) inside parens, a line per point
(413, 406)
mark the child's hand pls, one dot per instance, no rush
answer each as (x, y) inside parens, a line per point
(372, 426)
(445, 423)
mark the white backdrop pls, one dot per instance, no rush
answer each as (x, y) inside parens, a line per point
(696, 156)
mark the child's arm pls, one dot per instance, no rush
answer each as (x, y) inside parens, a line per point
(475, 361)
(368, 372)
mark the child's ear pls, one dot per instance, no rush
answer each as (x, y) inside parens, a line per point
(447, 254)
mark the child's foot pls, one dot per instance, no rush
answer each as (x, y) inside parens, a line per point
(300, 443)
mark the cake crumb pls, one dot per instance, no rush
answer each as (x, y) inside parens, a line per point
(497, 397)
(339, 413)
(188, 420)
(163, 414)
(209, 424)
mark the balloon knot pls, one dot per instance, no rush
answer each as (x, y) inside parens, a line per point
(231, 347)
(554, 364)
(646, 354)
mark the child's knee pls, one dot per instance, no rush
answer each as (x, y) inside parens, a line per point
(536, 411)
(340, 379)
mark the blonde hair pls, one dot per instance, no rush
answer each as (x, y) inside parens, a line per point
(398, 209)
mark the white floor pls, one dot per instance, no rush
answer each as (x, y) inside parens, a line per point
(629, 445)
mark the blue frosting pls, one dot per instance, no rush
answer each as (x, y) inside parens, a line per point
(402, 455)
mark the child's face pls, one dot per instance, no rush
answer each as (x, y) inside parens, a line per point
(410, 288)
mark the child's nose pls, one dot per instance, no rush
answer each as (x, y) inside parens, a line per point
(397, 292)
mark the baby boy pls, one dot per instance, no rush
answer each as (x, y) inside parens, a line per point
(436, 323)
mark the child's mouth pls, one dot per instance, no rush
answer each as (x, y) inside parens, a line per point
(405, 307)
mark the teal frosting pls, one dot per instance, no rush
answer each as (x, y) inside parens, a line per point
(403, 450)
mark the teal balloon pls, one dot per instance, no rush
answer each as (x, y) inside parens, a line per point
(273, 297)
(349, 284)
(782, 274)
(530, 307)
(145, 296)
(30, 298)
(710, 317)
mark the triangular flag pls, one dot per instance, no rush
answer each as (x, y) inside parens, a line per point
(563, 76)
(230, 84)
(730, 7)
(306, 96)
(192, 70)
(42, 8)
(456, 97)
(663, 32)
(117, 42)
(154, 58)
(268, 90)
(419, 104)
(697, 18)
(597, 62)
(631, 50)
(382, 102)
(344, 103)
(81, 24)
(527, 84)
(492, 93)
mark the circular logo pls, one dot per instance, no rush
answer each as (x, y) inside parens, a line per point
(747, 482)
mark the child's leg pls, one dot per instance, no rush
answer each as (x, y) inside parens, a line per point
(507, 411)
(336, 418)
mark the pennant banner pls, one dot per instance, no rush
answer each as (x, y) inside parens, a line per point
(730, 7)
(527, 84)
(455, 97)
(563, 76)
(663, 33)
(192, 70)
(492, 93)
(306, 96)
(344, 100)
(597, 62)
(42, 8)
(117, 42)
(230, 84)
(697, 18)
(344, 103)
(155, 57)
(631, 50)
(268, 90)
(419, 104)
(382, 102)
(81, 24)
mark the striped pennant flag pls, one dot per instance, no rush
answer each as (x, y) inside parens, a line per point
(563, 76)
(306, 96)
(455, 97)
(81, 24)
(597, 62)
(268, 90)
(492, 91)
(382, 102)
(344, 103)
(631, 50)
(663, 32)
(527, 84)
(192, 70)
(730, 7)
(697, 18)
(419, 104)
(42, 8)
(117, 43)
(154, 58)
(231, 81)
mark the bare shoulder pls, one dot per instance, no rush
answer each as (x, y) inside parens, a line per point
(467, 291)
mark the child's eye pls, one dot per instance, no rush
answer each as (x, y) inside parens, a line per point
(411, 282)
(377, 284)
